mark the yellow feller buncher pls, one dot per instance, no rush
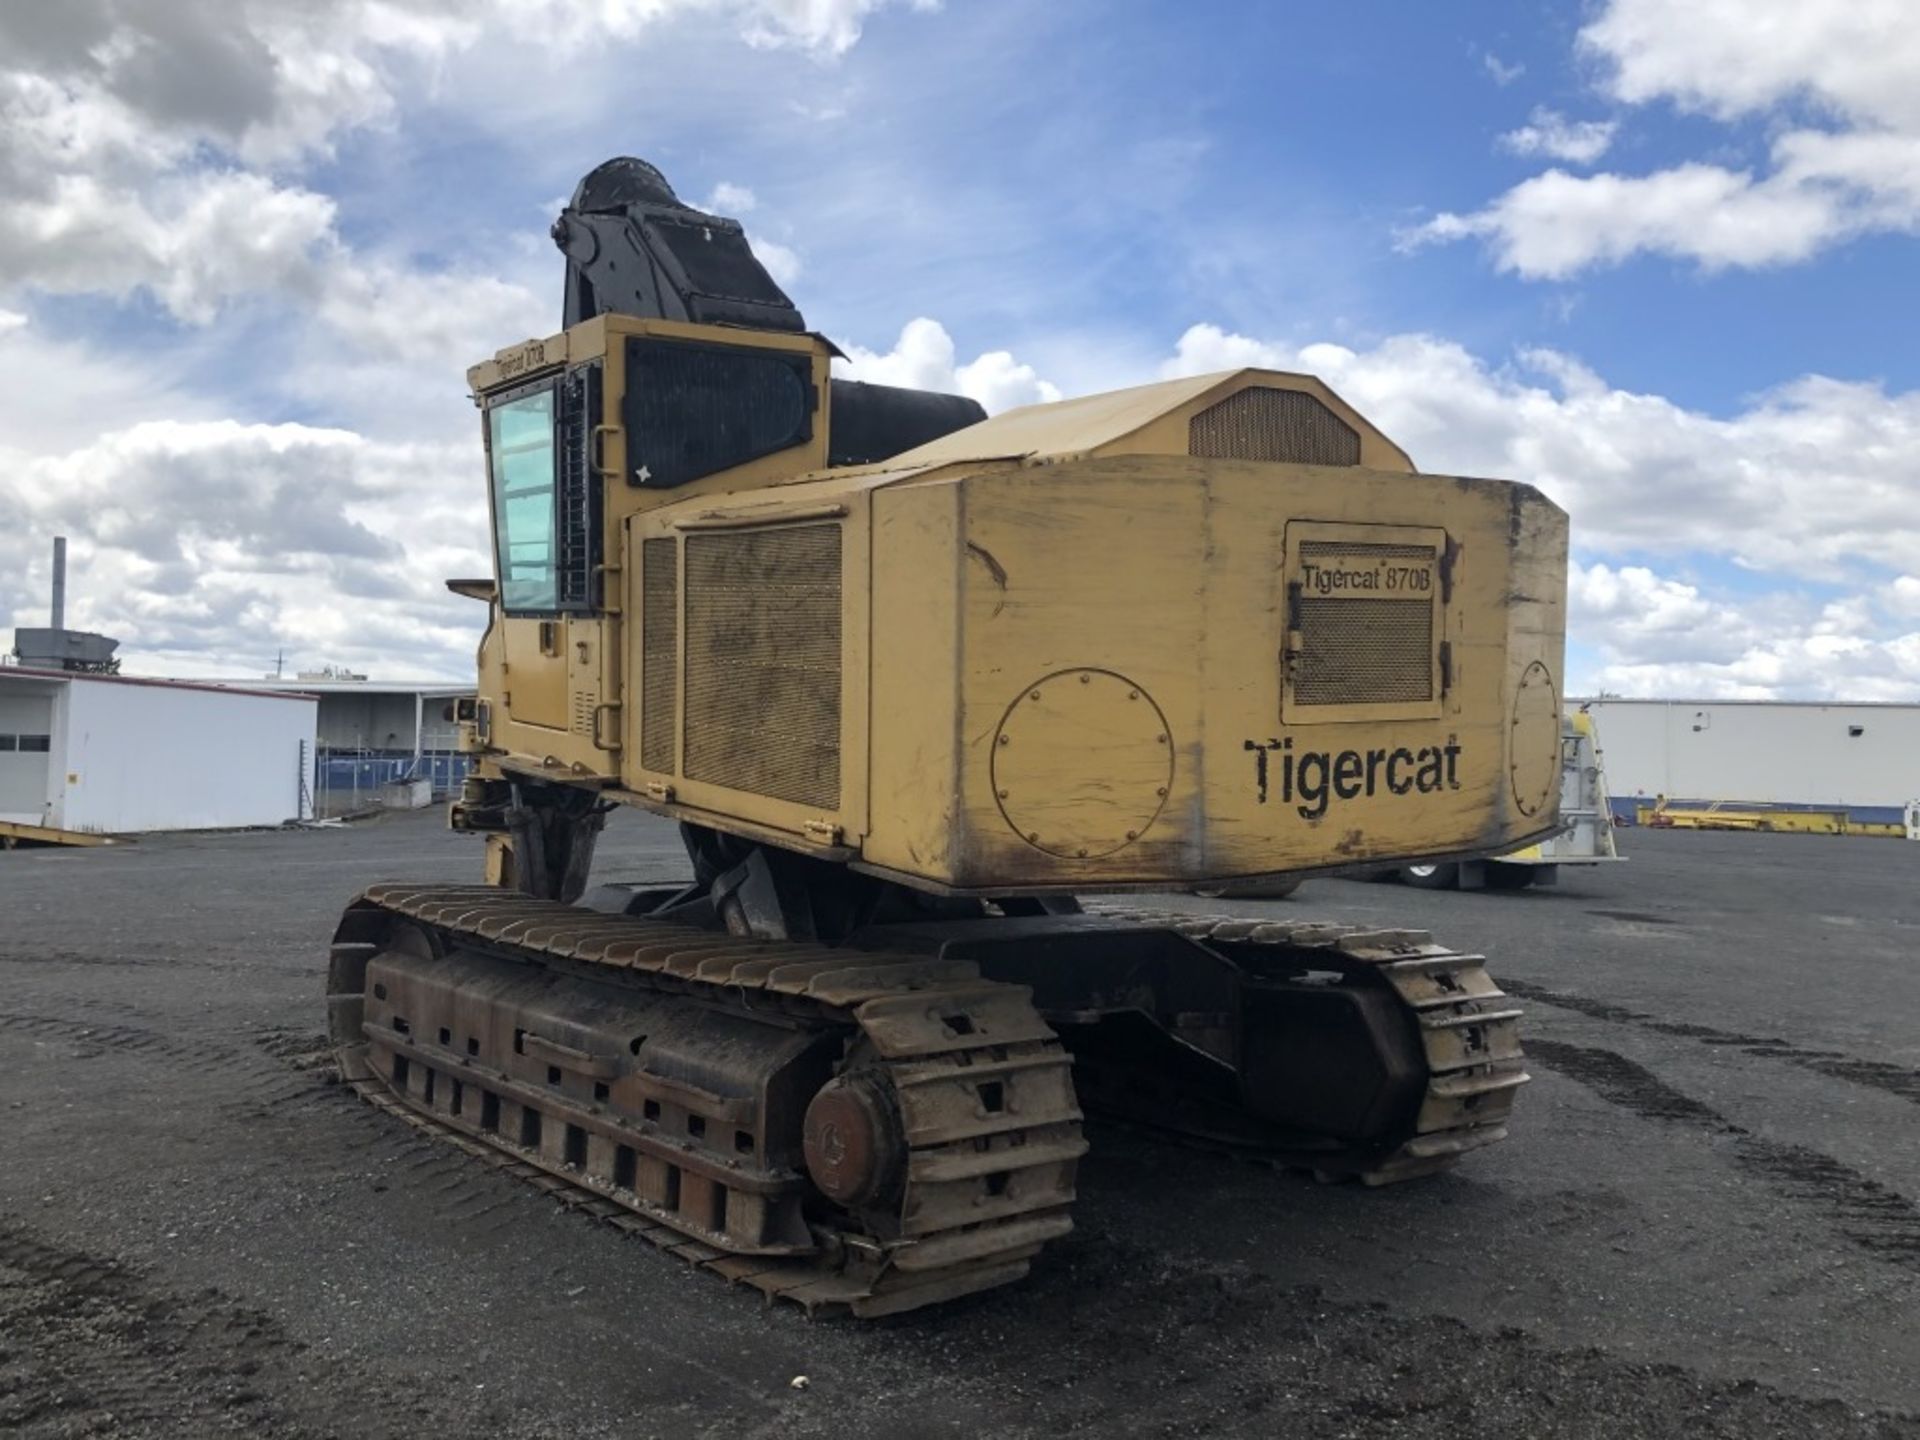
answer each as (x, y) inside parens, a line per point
(911, 680)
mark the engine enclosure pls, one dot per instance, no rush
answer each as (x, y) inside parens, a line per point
(1203, 630)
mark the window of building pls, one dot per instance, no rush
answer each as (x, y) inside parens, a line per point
(41, 744)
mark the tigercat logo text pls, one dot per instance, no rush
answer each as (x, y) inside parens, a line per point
(1311, 780)
(1375, 579)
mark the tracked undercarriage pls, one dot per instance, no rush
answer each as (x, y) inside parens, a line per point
(892, 1122)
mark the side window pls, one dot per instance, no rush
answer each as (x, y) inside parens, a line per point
(520, 439)
(546, 494)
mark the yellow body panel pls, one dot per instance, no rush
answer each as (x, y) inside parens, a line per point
(1054, 651)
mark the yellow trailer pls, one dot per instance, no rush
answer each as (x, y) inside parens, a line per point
(1732, 815)
(14, 833)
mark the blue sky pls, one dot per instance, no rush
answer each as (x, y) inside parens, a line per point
(1655, 259)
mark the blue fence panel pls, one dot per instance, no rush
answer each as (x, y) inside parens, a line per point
(336, 775)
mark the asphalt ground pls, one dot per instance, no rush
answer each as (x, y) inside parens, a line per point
(1707, 1222)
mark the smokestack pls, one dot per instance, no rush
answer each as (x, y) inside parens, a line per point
(59, 621)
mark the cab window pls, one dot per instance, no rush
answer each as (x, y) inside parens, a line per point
(520, 440)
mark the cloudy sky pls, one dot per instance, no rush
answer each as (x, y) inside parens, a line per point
(1658, 259)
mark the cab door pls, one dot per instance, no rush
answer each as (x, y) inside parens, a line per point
(546, 508)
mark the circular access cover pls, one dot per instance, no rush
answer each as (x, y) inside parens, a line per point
(1533, 741)
(1082, 763)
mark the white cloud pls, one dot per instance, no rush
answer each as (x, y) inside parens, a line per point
(923, 358)
(206, 546)
(144, 148)
(268, 80)
(164, 151)
(1548, 132)
(1648, 617)
(1903, 596)
(730, 200)
(1730, 58)
(1853, 67)
(1662, 637)
(828, 26)
(1503, 74)
(449, 319)
(783, 262)
(75, 388)
(1810, 476)
(1556, 225)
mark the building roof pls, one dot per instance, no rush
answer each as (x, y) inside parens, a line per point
(23, 672)
(1774, 704)
(355, 687)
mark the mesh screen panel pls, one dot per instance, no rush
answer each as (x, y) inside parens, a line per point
(577, 493)
(763, 662)
(1276, 425)
(1363, 650)
(659, 642)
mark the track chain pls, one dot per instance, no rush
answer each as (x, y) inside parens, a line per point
(1470, 1038)
(987, 1183)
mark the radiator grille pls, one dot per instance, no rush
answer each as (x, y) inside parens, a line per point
(659, 647)
(1362, 649)
(1288, 426)
(763, 662)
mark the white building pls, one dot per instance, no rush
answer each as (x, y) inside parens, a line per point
(112, 754)
(1865, 757)
(373, 733)
(376, 717)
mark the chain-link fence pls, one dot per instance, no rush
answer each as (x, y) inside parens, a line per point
(347, 782)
